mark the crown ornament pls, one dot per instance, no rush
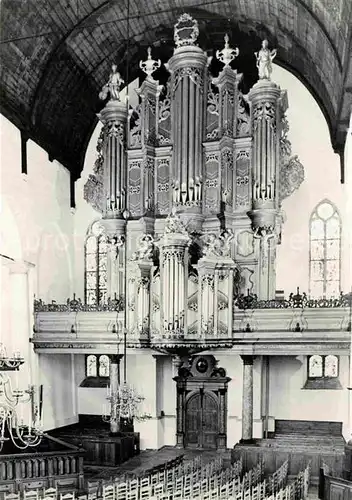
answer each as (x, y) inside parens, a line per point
(150, 65)
(186, 31)
(227, 54)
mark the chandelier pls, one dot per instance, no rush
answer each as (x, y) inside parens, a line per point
(12, 402)
(127, 404)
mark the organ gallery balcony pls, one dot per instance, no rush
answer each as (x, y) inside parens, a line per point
(296, 325)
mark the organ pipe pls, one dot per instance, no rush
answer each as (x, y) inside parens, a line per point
(187, 68)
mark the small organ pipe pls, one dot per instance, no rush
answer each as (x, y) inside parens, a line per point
(179, 291)
(191, 127)
(167, 286)
(211, 304)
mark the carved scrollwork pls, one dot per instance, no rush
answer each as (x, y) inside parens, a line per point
(285, 144)
(207, 280)
(174, 225)
(173, 254)
(135, 128)
(264, 111)
(211, 157)
(217, 246)
(186, 31)
(99, 162)
(115, 129)
(193, 73)
(291, 177)
(76, 305)
(164, 109)
(243, 118)
(227, 159)
(93, 193)
(212, 101)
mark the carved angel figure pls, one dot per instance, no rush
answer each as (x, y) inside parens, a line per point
(173, 224)
(145, 248)
(210, 245)
(225, 239)
(264, 59)
(112, 87)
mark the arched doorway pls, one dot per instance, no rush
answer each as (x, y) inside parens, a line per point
(202, 420)
(201, 403)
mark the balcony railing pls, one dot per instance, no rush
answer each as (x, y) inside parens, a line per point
(297, 318)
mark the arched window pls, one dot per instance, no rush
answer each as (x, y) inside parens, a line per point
(91, 365)
(96, 266)
(315, 366)
(104, 365)
(97, 365)
(325, 251)
(323, 366)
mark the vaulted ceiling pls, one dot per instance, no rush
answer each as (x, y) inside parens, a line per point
(57, 54)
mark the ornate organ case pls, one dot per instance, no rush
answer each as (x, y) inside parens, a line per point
(217, 164)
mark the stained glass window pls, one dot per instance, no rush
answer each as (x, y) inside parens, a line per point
(96, 267)
(325, 251)
(91, 366)
(331, 366)
(315, 368)
(323, 366)
(104, 365)
(97, 365)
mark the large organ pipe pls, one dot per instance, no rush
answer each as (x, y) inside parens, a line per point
(262, 159)
(177, 292)
(187, 68)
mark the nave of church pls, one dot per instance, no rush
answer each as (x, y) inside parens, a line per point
(176, 301)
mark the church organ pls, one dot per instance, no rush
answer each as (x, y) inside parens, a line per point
(197, 180)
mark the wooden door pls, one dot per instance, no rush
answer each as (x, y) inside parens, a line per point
(202, 418)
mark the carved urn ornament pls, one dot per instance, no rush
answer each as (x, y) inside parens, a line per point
(149, 66)
(227, 54)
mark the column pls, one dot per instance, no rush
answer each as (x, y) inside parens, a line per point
(223, 418)
(180, 411)
(180, 401)
(114, 387)
(247, 399)
(265, 395)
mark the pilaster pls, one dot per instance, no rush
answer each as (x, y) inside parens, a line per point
(114, 378)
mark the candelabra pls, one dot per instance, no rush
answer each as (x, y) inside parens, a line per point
(12, 426)
(127, 403)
